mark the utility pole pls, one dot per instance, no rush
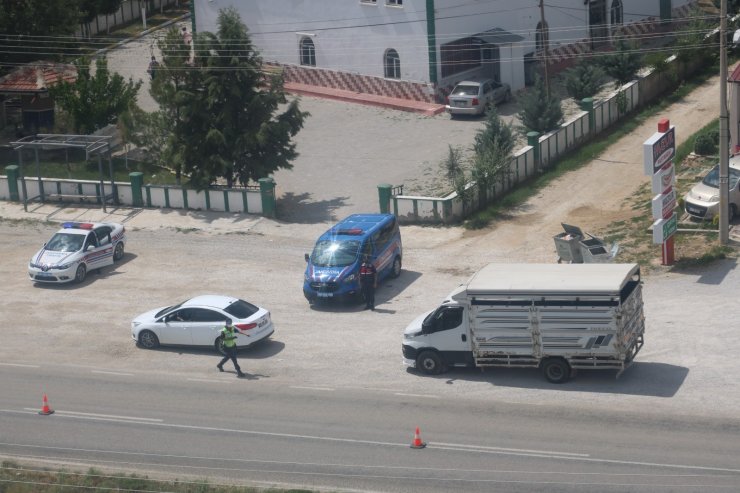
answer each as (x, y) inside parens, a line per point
(545, 41)
(724, 140)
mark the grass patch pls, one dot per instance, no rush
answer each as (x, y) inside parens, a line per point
(88, 170)
(20, 479)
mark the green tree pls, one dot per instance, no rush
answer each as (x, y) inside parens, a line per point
(174, 133)
(246, 137)
(623, 64)
(540, 112)
(36, 21)
(453, 164)
(94, 101)
(583, 80)
(492, 154)
(691, 43)
(108, 7)
(223, 117)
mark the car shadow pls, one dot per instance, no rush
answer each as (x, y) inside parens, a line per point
(261, 350)
(388, 289)
(644, 379)
(92, 275)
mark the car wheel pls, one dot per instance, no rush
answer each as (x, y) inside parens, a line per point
(148, 339)
(81, 273)
(430, 363)
(219, 345)
(118, 252)
(556, 370)
(396, 267)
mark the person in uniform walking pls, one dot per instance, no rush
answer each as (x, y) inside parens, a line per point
(368, 282)
(229, 335)
(153, 66)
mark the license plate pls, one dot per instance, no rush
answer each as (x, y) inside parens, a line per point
(324, 295)
(459, 104)
(44, 274)
(693, 210)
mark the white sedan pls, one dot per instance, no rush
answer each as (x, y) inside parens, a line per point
(198, 322)
(76, 249)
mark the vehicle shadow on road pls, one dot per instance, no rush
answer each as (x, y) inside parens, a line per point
(644, 379)
(92, 275)
(297, 208)
(261, 350)
(387, 291)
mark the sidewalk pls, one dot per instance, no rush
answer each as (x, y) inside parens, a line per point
(131, 217)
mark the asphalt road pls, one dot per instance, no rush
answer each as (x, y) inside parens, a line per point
(325, 438)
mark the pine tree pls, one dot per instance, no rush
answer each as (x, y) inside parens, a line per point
(540, 112)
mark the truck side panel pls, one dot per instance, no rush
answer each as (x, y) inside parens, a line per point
(594, 332)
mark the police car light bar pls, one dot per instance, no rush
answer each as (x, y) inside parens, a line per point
(73, 225)
(353, 231)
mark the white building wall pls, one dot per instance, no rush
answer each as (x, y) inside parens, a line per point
(348, 36)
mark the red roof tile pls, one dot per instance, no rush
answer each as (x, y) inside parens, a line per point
(37, 77)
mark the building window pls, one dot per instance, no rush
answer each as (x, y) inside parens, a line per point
(308, 52)
(368, 1)
(617, 13)
(394, 2)
(392, 64)
(541, 37)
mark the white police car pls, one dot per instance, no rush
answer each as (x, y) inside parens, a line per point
(76, 249)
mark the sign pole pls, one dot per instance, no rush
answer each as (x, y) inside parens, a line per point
(658, 152)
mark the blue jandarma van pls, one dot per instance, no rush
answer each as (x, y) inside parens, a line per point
(334, 265)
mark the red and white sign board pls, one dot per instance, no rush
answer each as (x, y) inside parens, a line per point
(664, 204)
(658, 150)
(664, 178)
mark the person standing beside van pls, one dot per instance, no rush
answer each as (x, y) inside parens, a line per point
(368, 282)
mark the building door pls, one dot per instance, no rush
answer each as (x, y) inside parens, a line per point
(665, 10)
(597, 22)
(490, 58)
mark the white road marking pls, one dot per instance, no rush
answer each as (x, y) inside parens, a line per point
(20, 365)
(74, 414)
(417, 395)
(312, 388)
(113, 373)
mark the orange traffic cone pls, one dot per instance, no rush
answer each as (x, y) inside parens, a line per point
(45, 409)
(417, 443)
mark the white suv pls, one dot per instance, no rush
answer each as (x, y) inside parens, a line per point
(702, 201)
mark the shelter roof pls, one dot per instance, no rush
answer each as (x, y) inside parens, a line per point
(498, 36)
(37, 77)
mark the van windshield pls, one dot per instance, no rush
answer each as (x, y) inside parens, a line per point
(335, 254)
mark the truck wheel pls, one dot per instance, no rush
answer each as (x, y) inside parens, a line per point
(430, 363)
(556, 370)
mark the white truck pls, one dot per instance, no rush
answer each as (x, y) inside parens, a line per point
(558, 317)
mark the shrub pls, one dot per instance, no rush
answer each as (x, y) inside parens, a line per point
(705, 145)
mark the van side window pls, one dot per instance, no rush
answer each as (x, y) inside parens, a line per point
(386, 235)
(447, 318)
(367, 248)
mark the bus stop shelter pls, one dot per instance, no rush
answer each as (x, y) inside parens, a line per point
(93, 145)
